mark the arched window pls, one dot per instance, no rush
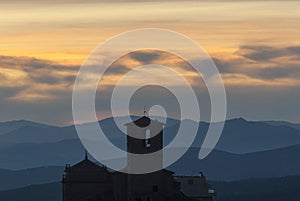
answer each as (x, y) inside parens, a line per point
(147, 139)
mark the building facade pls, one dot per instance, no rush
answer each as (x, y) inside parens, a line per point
(87, 181)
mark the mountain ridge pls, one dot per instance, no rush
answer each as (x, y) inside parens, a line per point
(218, 165)
(239, 135)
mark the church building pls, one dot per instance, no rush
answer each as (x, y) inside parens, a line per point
(87, 181)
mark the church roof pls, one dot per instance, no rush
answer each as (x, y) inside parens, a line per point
(142, 122)
(85, 166)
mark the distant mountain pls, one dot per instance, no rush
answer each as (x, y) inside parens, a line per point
(42, 192)
(225, 166)
(242, 136)
(283, 123)
(219, 165)
(266, 189)
(29, 155)
(10, 179)
(239, 135)
(32, 134)
(9, 126)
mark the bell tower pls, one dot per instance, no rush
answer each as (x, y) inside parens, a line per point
(144, 136)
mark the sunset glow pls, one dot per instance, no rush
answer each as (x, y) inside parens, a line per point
(43, 44)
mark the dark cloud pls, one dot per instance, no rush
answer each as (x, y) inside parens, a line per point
(160, 57)
(280, 71)
(275, 71)
(124, 64)
(27, 79)
(38, 70)
(146, 57)
(263, 62)
(31, 63)
(117, 69)
(263, 53)
(10, 91)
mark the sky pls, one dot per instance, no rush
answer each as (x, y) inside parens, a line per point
(255, 45)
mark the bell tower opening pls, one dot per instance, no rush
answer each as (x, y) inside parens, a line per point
(147, 139)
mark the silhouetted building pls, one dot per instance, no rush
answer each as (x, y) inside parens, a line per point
(87, 181)
(195, 187)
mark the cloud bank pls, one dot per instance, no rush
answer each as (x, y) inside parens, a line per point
(262, 82)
